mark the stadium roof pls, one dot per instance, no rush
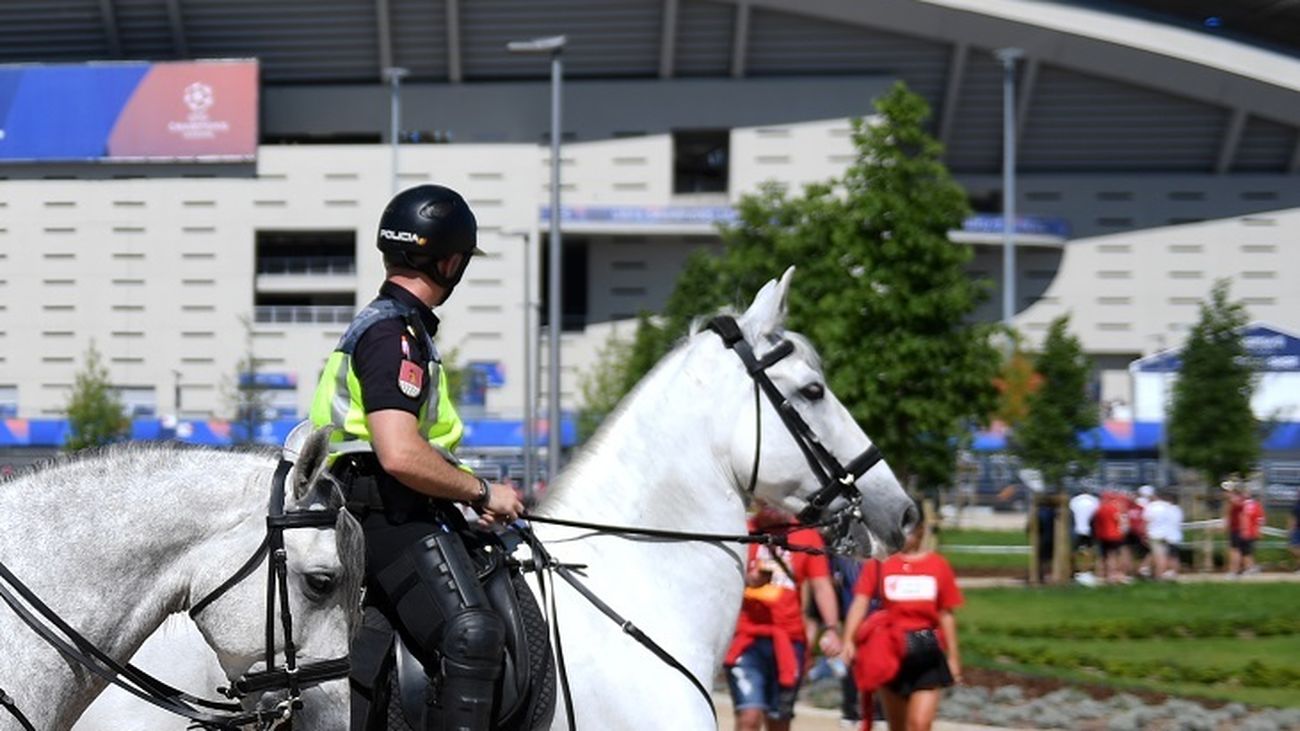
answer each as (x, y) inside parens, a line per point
(1104, 86)
(1274, 22)
(352, 40)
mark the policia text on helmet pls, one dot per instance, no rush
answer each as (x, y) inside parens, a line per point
(395, 431)
(429, 229)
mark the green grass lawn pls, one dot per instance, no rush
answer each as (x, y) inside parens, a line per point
(1009, 564)
(1186, 639)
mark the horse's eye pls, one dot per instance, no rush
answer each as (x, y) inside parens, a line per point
(320, 584)
(813, 391)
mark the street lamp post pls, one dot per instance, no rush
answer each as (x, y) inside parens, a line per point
(553, 46)
(1162, 480)
(530, 369)
(394, 75)
(1008, 57)
(530, 404)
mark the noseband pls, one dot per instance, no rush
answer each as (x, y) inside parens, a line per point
(291, 676)
(838, 481)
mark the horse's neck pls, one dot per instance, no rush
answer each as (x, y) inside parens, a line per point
(113, 547)
(654, 463)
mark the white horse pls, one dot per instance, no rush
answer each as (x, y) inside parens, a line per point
(116, 540)
(678, 454)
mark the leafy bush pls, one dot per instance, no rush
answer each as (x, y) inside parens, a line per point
(1143, 629)
(1253, 674)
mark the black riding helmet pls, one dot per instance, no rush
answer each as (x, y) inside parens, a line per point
(424, 225)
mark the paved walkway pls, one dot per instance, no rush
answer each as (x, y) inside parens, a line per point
(809, 718)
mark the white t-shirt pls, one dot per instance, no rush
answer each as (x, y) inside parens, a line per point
(1164, 521)
(1082, 507)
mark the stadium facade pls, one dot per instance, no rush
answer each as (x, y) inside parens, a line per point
(1160, 151)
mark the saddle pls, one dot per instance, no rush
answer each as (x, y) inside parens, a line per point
(525, 697)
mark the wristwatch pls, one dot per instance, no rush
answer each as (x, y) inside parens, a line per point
(480, 503)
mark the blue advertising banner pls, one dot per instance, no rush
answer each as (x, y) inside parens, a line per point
(651, 216)
(1268, 350)
(479, 433)
(493, 372)
(129, 111)
(268, 380)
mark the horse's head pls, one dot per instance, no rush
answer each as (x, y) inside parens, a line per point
(765, 451)
(324, 569)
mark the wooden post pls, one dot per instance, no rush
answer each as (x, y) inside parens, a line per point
(1033, 537)
(1203, 512)
(931, 517)
(1061, 545)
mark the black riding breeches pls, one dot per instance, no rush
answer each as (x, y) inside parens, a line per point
(421, 577)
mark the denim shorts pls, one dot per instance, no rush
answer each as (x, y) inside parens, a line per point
(753, 680)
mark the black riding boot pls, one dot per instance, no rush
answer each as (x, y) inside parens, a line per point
(464, 698)
(449, 626)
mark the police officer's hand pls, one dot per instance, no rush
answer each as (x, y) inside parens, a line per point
(503, 506)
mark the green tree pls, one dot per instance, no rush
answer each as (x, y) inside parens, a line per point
(249, 399)
(880, 289)
(95, 412)
(457, 375)
(1047, 439)
(1211, 426)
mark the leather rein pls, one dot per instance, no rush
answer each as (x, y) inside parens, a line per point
(206, 714)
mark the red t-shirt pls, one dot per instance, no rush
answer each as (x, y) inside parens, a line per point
(776, 603)
(1250, 519)
(1137, 524)
(1107, 522)
(915, 589)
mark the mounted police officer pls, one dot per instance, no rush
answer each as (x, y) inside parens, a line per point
(385, 392)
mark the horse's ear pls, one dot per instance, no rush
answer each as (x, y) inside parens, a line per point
(767, 312)
(311, 461)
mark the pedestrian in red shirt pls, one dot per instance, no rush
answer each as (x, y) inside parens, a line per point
(907, 648)
(1110, 528)
(765, 663)
(1245, 520)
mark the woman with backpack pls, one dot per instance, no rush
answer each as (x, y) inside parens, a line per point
(900, 635)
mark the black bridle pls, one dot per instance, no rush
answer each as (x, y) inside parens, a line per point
(290, 677)
(837, 501)
(206, 714)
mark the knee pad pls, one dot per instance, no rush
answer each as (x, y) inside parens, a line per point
(475, 636)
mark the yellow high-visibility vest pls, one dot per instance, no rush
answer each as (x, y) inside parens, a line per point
(338, 399)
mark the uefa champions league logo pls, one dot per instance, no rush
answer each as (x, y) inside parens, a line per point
(198, 97)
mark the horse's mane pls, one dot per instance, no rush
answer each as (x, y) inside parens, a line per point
(121, 450)
(803, 348)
